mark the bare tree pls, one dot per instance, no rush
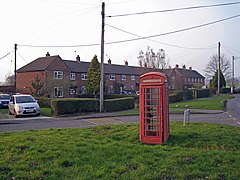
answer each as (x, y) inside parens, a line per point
(9, 79)
(153, 60)
(212, 66)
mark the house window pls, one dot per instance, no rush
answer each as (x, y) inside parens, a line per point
(72, 76)
(192, 79)
(58, 75)
(58, 91)
(83, 90)
(123, 77)
(112, 76)
(132, 87)
(111, 90)
(84, 76)
(133, 77)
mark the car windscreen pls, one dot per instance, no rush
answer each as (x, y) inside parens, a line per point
(4, 96)
(24, 99)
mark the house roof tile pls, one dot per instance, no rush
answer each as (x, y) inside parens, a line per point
(40, 64)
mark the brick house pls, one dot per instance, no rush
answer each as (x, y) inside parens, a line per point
(67, 78)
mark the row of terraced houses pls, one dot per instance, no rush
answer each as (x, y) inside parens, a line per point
(67, 78)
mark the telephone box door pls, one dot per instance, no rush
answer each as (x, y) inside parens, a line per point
(152, 115)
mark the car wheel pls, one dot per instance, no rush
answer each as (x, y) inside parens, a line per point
(38, 114)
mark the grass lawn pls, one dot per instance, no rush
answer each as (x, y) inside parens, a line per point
(44, 112)
(196, 151)
(211, 103)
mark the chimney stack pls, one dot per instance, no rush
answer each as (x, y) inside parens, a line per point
(177, 66)
(190, 68)
(109, 61)
(78, 58)
(47, 54)
(184, 67)
(126, 63)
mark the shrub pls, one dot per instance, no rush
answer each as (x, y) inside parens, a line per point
(175, 96)
(74, 105)
(44, 102)
(119, 104)
(201, 93)
(225, 90)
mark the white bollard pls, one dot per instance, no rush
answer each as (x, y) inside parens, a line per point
(186, 116)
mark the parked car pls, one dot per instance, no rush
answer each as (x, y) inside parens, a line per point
(237, 90)
(23, 105)
(4, 100)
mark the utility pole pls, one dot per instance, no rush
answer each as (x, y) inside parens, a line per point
(232, 89)
(102, 58)
(15, 68)
(218, 90)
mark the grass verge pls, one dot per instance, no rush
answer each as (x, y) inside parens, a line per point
(211, 103)
(196, 151)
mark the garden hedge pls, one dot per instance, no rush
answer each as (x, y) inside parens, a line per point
(119, 104)
(74, 106)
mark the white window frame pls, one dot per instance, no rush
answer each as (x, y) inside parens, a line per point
(123, 77)
(112, 77)
(133, 77)
(72, 76)
(111, 90)
(59, 91)
(58, 74)
(84, 76)
(132, 87)
(83, 90)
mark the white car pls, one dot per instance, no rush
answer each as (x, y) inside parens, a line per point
(23, 105)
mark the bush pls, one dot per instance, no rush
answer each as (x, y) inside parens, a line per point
(201, 93)
(119, 104)
(74, 105)
(175, 96)
(44, 102)
(225, 90)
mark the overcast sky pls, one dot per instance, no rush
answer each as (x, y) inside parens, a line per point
(78, 22)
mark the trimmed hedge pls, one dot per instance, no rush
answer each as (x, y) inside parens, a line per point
(175, 96)
(201, 93)
(119, 104)
(78, 105)
(44, 102)
(74, 106)
(225, 90)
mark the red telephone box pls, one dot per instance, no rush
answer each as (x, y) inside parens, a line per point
(154, 109)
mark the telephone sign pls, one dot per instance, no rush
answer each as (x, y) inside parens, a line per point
(154, 110)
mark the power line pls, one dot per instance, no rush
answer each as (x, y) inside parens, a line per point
(177, 9)
(136, 39)
(177, 46)
(65, 46)
(173, 32)
(5, 55)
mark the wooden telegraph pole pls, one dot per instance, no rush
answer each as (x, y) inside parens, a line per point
(15, 68)
(218, 90)
(102, 58)
(232, 89)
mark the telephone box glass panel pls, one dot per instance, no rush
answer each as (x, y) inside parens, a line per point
(152, 113)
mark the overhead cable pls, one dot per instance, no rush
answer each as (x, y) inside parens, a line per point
(5, 55)
(177, 9)
(173, 32)
(159, 41)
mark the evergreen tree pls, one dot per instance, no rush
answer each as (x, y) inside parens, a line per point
(37, 87)
(214, 80)
(94, 77)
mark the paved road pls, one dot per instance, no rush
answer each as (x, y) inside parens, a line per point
(233, 108)
(21, 124)
(231, 117)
